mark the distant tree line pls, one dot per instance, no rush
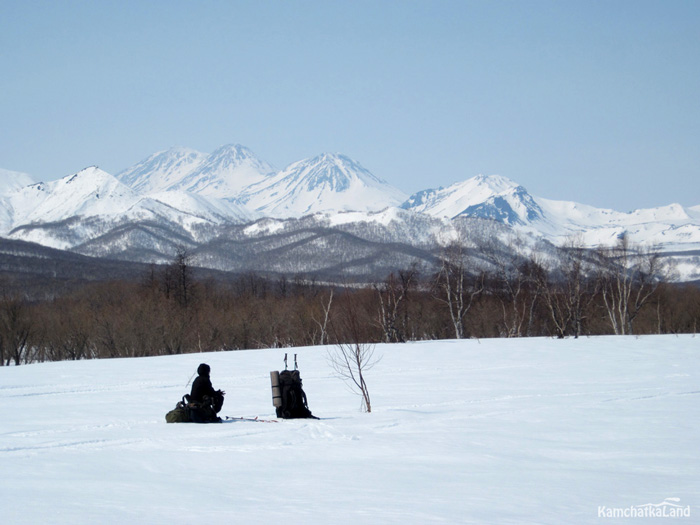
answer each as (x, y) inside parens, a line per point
(480, 291)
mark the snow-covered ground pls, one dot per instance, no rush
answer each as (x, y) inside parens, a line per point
(491, 431)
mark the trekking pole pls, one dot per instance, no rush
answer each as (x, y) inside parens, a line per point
(285, 361)
(188, 382)
(295, 362)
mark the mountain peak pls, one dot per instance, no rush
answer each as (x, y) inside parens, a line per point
(89, 192)
(486, 196)
(90, 171)
(221, 174)
(334, 158)
(91, 179)
(334, 170)
(327, 182)
(232, 157)
(225, 172)
(495, 183)
(161, 170)
(233, 150)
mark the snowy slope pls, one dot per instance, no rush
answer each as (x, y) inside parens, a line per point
(498, 198)
(211, 209)
(12, 180)
(89, 192)
(671, 227)
(488, 197)
(162, 170)
(93, 193)
(225, 172)
(221, 174)
(328, 182)
(494, 431)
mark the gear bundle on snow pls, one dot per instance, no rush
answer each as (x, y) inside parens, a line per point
(288, 397)
(179, 414)
(187, 411)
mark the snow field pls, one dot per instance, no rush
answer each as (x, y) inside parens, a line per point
(491, 431)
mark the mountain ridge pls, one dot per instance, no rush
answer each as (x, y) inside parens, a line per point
(192, 197)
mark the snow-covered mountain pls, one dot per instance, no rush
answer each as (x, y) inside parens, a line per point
(12, 180)
(317, 208)
(89, 192)
(500, 199)
(328, 182)
(487, 197)
(218, 211)
(221, 174)
(77, 208)
(668, 228)
(226, 172)
(162, 170)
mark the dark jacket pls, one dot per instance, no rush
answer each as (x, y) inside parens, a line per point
(202, 387)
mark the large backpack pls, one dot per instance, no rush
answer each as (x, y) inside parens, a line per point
(179, 414)
(187, 411)
(289, 397)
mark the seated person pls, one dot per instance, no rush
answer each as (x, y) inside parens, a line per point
(202, 388)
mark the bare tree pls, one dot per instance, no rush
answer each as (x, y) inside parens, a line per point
(456, 287)
(392, 294)
(15, 329)
(514, 285)
(351, 361)
(178, 281)
(629, 277)
(351, 358)
(569, 290)
(323, 323)
(72, 328)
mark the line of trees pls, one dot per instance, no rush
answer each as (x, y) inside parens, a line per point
(474, 292)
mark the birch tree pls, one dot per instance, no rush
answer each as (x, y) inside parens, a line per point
(393, 294)
(456, 287)
(514, 283)
(351, 358)
(324, 319)
(569, 290)
(629, 276)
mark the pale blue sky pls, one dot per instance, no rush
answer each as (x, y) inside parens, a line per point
(592, 101)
